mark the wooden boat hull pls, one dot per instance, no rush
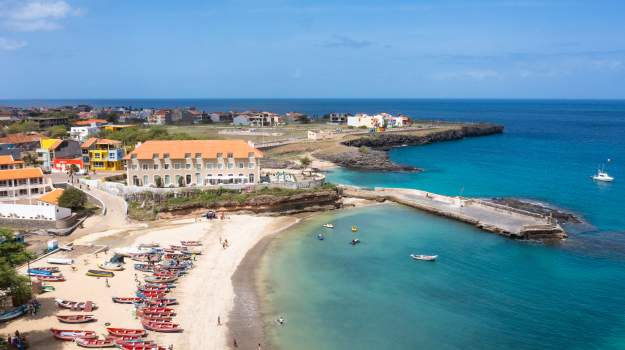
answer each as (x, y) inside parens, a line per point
(98, 273)
(68, 304)
(160, 280)
(109, 268)
(161, 327)
(153, 289)
(154, 315)
(63, 334)
(75, 318)
(161, 301)
(126, 300)
(125, 331)
(190, 252)
(51, 278)
(85, 343)
(49, 269)
(178, 247)
(191, 243)
(168, 285)
(11, 314)
(123, 337)
(157, 309)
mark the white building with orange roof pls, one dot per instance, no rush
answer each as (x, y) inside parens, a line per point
(21, 183)
(8, 163)
(193, 162)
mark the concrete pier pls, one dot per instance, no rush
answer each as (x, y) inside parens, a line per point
(500, 219)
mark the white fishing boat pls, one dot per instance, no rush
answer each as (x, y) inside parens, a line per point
(126, 251)
(601, 176)
(60, 261)
(424, 257)
(328, 225)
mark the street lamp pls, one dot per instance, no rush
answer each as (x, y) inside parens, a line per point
(462, 189)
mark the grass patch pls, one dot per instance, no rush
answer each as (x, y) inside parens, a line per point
(93, 209)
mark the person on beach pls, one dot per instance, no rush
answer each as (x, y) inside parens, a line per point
(235, 343)
(107, 283)
(281, 320)
(218, 321)
(226, 242)
(193, 256)
(224, 245)
(219, 240)
(136, 279)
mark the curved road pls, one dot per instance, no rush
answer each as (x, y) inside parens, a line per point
(115, 217)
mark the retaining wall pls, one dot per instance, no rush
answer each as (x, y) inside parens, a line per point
(506, 209)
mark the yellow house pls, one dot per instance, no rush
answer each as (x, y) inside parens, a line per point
(116, 128)
(104, 154)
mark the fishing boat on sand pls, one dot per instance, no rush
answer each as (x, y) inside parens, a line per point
(72, 304)
(155, 279)
(49, 269)
(153, 289)
(161, 301)
(13, 313)
(191, 242)
(157, 309)
(178, 247)
(154, 315)
(126, 300)
(126, 251)
(51, 278)
(94, 343)
(135, 343)
(75, 318)
(60, 261)
(190, 253)
(168, 285)
(424, 257)
(144, 257)
(125, 331)
(149, 245)
(64, 334)
(123, 337)
(131, 347)
(107, 265)
(161, 327)
(99, 273)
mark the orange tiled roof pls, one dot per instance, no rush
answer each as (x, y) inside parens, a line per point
(52, 197)
(20, 173)
(208, 148)
(4, 160)
(21, 138)
(89, 121)
(89, 142)
(108, 141)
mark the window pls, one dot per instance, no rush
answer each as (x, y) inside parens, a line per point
(177, 166)
(98, 165)
(166, 156)
(85, 159)
(155, 166)
(251, 176)
(187, 166)
(188, 178)
(209, 166)
(23, 192)
(155, 156)
(177, 180)
(134, 167)
(146, 180)
(220, 155)
(167, 180)
(230, 180)
(4, 193)
(198, 156)
(3, 183)
(96, 155)
(220, 181)
(134, 180)
(34, 190)
(240, 165)
(230, 165)
(134, 156)
(241, 178)
(145, 167)
(250, 165)
(220, 165)
(230, 155)
(198, 166)
(198, 178)
(166, 166)
(187, 156)
(250, 155)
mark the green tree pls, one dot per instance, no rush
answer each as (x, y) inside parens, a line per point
(58, 131)
(304, 119)
(181, 181)
(14, 128)
(158, 182)
(72, 198)
(111, 117)
(305, 162)
(326, 116)
(13, 254)
(29, 126)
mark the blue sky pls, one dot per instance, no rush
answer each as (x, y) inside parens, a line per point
(285, 48)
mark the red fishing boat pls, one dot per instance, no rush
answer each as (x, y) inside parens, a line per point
(160, 302)
(75, 318)
(167, 250)
(65, 304)
(157, 320)
(126, 300)
(154, 289)
(125, 331)
(92, 343)
(165, 274)
(122, 337)
(136, 343)
(161, 327)
(178, 247)
(151, 295)
(157, 309)
(51, 278)
(64, 334)
(191, 242)
(130, 347)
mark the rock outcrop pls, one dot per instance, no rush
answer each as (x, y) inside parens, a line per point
(372, 160)
(273, 163)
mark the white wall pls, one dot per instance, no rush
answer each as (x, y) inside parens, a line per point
(352, 121)
(25, 211)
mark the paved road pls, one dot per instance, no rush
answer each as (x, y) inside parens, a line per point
(505, 221)
(115, 217)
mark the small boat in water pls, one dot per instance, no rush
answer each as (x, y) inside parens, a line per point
(328, 225)
(321, 237)
(424, 257)
(601, 176)
(354, 241)
(354, 228)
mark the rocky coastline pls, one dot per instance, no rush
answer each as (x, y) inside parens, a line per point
(560, 216)
(369, 153)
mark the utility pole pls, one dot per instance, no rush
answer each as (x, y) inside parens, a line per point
(462, 189)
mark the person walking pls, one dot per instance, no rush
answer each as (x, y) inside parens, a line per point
(258, 346)
(224, 245)
(218, 321)
(136, 279)
(226, 240)
(235, 343)
(107, 283)
(193, 257)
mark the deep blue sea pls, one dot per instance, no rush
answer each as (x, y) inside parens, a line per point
(484, 291)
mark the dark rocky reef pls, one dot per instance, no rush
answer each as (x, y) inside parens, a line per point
(560, 216)
(374, 158)
(273, 163)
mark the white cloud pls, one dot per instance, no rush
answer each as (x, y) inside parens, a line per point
(6, 44)
(35, 15)
(472, 75)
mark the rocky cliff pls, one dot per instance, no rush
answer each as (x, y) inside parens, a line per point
(374, 157)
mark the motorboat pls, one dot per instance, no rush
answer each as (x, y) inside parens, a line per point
(320, 237)
(354, 241)
(328, 226)
(601, 176)
(424, 257)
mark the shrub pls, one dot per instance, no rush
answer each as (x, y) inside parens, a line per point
(181, 181)
(158, 182)
(363, 149)
(350, 127)
(87, 178)
(363, 127)
(72, 198)
(155, 211)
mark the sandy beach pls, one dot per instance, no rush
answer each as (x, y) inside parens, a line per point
(204, 294)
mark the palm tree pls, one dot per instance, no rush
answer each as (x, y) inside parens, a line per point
(71, 170)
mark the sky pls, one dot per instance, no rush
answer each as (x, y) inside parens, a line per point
(312, 49)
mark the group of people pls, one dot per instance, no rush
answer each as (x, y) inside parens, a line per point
(18, 341)
(33, 307)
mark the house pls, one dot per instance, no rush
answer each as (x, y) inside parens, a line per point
(177, 113)
(240, 120)
(46, 122)
(103, 154)
(363, 120)
(162, 117)
(23, 142)
(9, 163)
(12, 115)
(290, 117)
(84, 115)
(7, 120)
(216, 117)
(90, 122)
(83, 108)
(190, 116)
(117, 128)
(81, 132)
(52, 149)
(259, 118)
(338, 118)
(125, 117)
(21, 183)
(317, 135)
(196, 162)
(50, 198)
